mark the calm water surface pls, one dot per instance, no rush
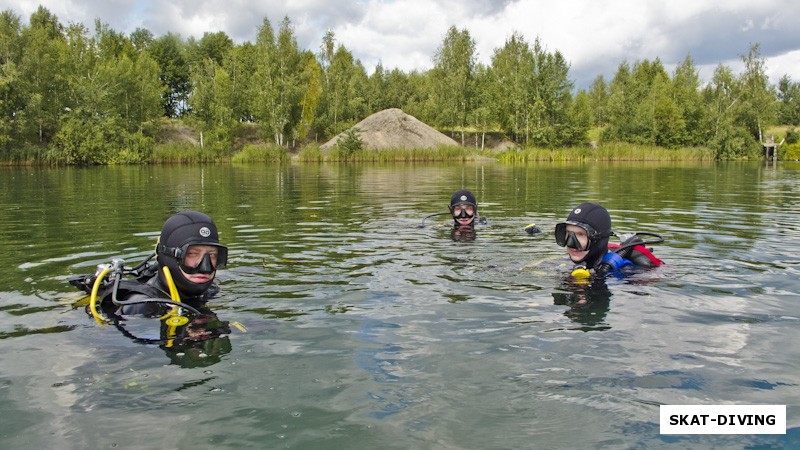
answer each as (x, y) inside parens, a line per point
(361, 330)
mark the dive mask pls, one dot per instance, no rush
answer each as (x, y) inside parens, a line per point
(192, 258)
(463, 210)
(566, 238)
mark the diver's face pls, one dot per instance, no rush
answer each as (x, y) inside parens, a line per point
(464, 214)
(194, 256)
(574, 254)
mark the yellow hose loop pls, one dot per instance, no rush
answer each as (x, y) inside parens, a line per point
(173, 293)
(173, 290)
(93, 297)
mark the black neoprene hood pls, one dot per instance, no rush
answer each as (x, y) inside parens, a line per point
(598, 219)
(463, 197)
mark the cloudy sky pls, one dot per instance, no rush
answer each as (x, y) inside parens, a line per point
(594, 36)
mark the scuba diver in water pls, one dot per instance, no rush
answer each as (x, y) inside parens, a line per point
(175, 289)
(585, 235)
(463, 208)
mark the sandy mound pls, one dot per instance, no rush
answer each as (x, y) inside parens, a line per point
(391, 129)
(174, 131)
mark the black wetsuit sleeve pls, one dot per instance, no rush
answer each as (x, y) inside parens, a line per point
(142, 309)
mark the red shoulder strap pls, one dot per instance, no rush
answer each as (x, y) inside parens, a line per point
(641, 249)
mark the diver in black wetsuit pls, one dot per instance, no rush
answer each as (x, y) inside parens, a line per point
(585, 235)
(188, 254)
(189, 247)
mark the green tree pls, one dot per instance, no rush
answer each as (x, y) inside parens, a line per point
(722, 97)
(485, 108)
(377, 94)
(620, 107)
(277, 82)
(311, 78)
(598, 101)
(550, 97)
(453, 71)
(264, 88)
(669, 126)
(214, 46)
(290, 90)
(418, 96)
(143, 92)
(142, 39)
(641, 108)
(686, 94)
(41, 71)
(11, 98)
(240, 63)
(168, 52)
(212, 103)
(10, 38)
(757, 94)
(342, 100)
(758, 99)
(397, 90)
(789, 99)
(112, 90)
(512, 70)
(580, 119)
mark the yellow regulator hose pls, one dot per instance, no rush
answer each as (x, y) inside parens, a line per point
(172, 319)
(173, 290)
(93, 298)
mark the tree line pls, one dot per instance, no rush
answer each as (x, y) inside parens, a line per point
(75, 96)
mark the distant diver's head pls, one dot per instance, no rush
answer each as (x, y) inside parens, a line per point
(189, 246)
(463, 207)
(585, 234)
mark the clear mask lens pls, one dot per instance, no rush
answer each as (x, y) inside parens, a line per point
(202, 258)
(569, 239)
(463, 211)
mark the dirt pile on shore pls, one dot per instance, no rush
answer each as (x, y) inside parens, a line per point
(173, 131)
(394, 129)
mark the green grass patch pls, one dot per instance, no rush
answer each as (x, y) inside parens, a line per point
(261, 153)
(27, 155)
(790, 152)
(310, 153)
(184, 153)
(608, 152)
(444, 153)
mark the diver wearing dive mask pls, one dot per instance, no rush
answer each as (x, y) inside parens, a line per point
(463, 207)
(189, 246)
(189, 254)
(585, 234)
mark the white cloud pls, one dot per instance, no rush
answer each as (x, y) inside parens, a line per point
(595, 37)
(785, 64)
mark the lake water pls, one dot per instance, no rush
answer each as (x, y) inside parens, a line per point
(351, 327)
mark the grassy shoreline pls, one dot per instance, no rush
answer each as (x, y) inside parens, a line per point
(185, 153)
(177, 142)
